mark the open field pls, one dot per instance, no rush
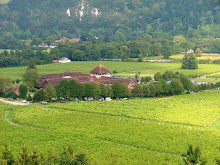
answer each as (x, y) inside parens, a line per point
(203, 57)
(139, 131)
(123, 68)
(4, 1)
(2, 50)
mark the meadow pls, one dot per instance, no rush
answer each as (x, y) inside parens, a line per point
(4, 1)
(123, 68)
(203, 57)
(138, 131)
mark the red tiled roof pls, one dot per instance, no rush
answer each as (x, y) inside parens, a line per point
(100, 70)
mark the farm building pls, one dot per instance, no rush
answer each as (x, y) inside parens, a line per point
(98, 75)
(64, 60)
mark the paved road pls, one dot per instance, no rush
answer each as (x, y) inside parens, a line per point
(13, 102)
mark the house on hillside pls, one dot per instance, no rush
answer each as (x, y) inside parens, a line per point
(100, 71)
(190, 51)
(64, 60)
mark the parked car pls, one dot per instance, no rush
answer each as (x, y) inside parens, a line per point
(11, 99)
(77, 100)
(44, 102)
(63, 102)
(23, 101)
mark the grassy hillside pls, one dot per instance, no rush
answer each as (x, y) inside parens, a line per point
(126, 132)
(4, 1)
(123, 68)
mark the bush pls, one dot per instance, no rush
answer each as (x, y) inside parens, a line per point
(11, 94)
(23, 90)
(39, 96)
(29, 98)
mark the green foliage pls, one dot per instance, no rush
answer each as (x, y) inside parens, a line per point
(39, 96)
(31, 78)
(62, 89)
(29, 98)
(66, 156)
(92, 90)
(7, 156)
(177, 87)
(31, 64)
(189, 61)
(138, 91)
(193, 156)
(23, 90)
(50, 92)
(198, 52)
(11, 94)
(108, 131)
(5, 83)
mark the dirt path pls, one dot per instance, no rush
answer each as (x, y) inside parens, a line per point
(13, 102)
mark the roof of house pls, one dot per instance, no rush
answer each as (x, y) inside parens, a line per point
(100, 70)
(64, 59)
(90, 79)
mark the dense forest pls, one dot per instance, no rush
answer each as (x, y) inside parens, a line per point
(120, 20)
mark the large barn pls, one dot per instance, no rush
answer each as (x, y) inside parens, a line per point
(100, 74)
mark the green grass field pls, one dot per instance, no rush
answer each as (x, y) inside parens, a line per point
(203, 57)
(123, 68)
(139, 131)
(4, 1)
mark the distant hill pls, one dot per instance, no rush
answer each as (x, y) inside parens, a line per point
(121, 20)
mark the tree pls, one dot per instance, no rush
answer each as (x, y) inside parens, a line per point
(23, 90)
(39, 96)
(106, 39)
(198, 52)
(193, 156)
(135, 49)
(5, 83)
(31, 78)
(177, 86)
(153, 89)
(109, 91)
(166, 51)
(29, 98)
(146, 90)
(78, 55)
(158, 76)
(92, 90)
(62, 89)
(155, 49)
(11, 94)
(189, 61)
(116, 89)
(124, 91)
(138, 91)
(50, 92)
(187, 84)
(31, 64)
(159, 87)
(103, 90)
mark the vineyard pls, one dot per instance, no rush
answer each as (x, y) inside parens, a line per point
(122, 68)
(203, 57)
(138, 131)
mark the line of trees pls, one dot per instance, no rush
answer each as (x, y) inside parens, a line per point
(72, 89)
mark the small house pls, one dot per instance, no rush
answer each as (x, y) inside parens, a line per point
(64, 60)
